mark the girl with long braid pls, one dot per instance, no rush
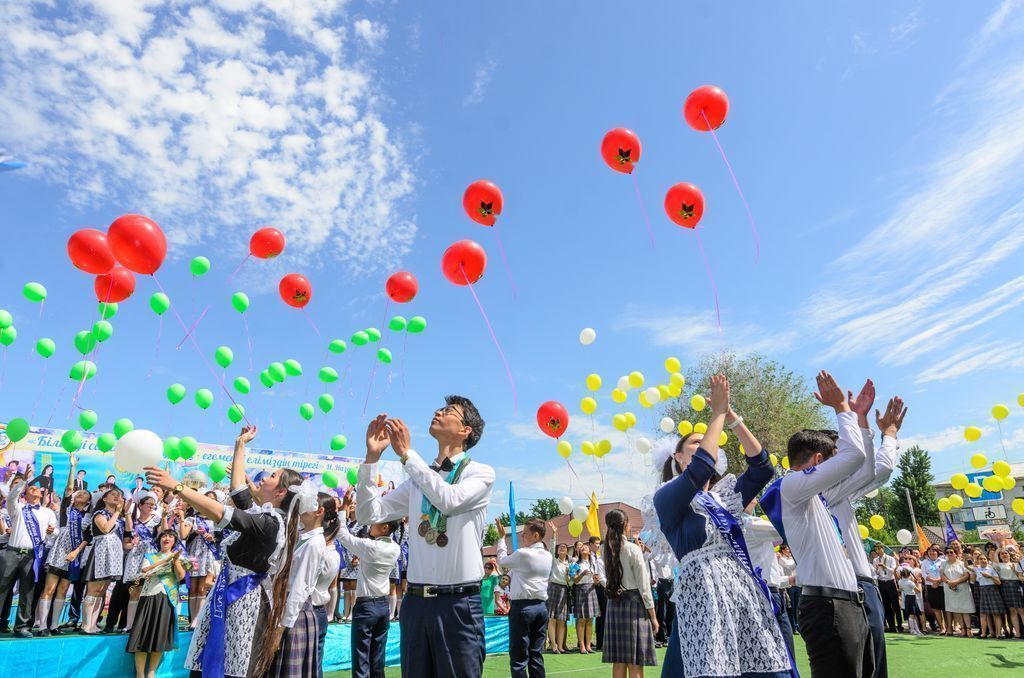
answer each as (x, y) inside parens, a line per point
(630, 622)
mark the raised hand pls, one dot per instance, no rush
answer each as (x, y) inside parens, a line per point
(862, 403)
(719, 394)
(830, 394)
(247, 435)
(376, 438)
(892, 421)
(398, 434)
(501, 528)
(158, 477)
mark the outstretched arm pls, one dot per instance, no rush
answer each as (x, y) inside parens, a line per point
(238, 477)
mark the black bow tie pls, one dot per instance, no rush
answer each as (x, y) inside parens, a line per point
(445, 466)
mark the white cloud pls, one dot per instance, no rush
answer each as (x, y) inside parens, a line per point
(480, 81)
(978, 356)
(938, 441)
(698, 333)
(193, 113)
(906, 26)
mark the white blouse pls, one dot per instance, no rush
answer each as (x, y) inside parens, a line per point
(635, 575)
(559, 572)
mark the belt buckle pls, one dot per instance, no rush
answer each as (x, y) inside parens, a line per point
(428, 592)
(860, 596)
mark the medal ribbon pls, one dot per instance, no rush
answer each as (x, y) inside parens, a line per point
(438, 521)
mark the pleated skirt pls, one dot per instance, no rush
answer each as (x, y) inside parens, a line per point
(154, 627)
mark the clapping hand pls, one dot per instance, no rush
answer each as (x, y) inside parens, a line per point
(892, 421)
(861, 404)
(398, 434)
(830, 394)
(719, 394)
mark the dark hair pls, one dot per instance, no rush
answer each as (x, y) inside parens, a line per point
(671, 463)
(99, 505)
(331, 522)
(112, 476)
(616, 521)
(177, 540)
(48, 467)
(81, 471)
(536, 526)
(396, 526)
(470, 417)
(566, 550)
(805, 444)
(594, 537)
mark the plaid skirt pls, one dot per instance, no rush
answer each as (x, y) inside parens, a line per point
(1010, 591)
(989, 600)
(585, 605)
(558, 601)
(628, 634)
(297, 655)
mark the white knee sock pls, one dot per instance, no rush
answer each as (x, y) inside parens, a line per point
(132, 606)
(43, 614)
(57, 611)
(90, 610)
(392, 605)
(332, 605)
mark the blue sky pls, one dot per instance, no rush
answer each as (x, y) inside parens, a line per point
(879, 150)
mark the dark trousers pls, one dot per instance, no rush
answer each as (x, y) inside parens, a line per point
(782, 617)
(794, 604)
(75, 604)
(321, 635)
(835, 632)
(442, 637)
(876, 627)
(369, 637)
(665, 609)
(117, 608)
(16, 568)
(527, 630)
(602, 602)
(5, 613)
(891, 605)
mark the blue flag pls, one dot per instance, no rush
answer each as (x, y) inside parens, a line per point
(512, 515)
(950, 532)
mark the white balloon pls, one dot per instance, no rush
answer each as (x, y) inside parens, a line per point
(565, 505)
(138, 449)
(653, 395)
(872, 494)
(667, 425)
(587, 336)
(580, 513)
(904, 537)
(643, 445)
(623, 384)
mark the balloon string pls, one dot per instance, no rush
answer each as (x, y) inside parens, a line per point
(599, 470)
(39, 392)
(643, 208)
(736, 183)
(192, 329)
(56, 403)
(1001, 443)
(312, 324)
(95, 354)
(494, 337)
(41, 304)
(373, 372)
(508, 271)
(156, 358)
(203, 314)
(248, 339)
(714, 288)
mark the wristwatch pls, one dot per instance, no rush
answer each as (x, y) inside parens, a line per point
(179, 488)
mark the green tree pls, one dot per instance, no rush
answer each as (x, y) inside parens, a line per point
(915, 474)
(882, 504)
(774, 401)
(520, 518)
(491, 535)
(545, 509)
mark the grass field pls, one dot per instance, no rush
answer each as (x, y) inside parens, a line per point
(909, 657)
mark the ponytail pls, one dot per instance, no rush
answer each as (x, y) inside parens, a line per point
(615, 520)
(331, 522)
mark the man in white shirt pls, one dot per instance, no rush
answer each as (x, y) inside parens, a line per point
(442, 616)
(885, 572)
(22, 561)
(528, 617)
(371, 614)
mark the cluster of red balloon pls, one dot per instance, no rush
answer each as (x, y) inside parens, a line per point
(133, 241)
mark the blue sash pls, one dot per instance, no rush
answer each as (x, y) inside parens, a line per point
(202, 526)
(221, 598)
(143, 532)
(771, 504)
(75, 530)
(38, 547)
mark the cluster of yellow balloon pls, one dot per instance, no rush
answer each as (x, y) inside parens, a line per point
(624, 421)
(598, 449)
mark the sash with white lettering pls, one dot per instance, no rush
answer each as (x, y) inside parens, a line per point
(75, 530)
(38, 547)
(145, 534)
(221, 598)
(203, 527)
(169, 582)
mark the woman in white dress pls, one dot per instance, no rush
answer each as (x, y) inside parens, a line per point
(141, 526)
(956, 580)
(105, 562)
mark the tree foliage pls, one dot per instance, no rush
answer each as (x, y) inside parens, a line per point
(545, 509)
(915, 474)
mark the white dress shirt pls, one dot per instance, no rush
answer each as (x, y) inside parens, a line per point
(20, 538)
(635, 575)
(810, 530)
(586, 571)
(788, 566)
(761, 537)
(308, 563)
(465, 505)
(531, 568)
(598, 571)
(884, 566)
(559, 572)
(376, 560)
(332, 562)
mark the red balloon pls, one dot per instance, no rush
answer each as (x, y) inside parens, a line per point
(714, 103)
(402, 287)
(552, 418)
(684, 204)
(295, 290)
(266, 243)
(464, 259)
(482, 202)
(114, 287)
(138, 243)
(620, 149)
(89, 251)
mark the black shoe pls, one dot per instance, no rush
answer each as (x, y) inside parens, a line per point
(22, 633)
(5, 629)
(56, 632)
(45, 633)
(68, 625)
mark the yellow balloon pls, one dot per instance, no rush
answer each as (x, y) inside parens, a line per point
(630, 419)
(564, 448)
(945, 505)
(863, 531)
(594, 382)
(973, 490)
(604, 447)
(676, 379)
(675, 391)
(992, 483)
(619, 422)
(771, 457)
(663, 390)
(636, 379)
(1020, 399)
(575, 527)
(959, 481)
(1000, 412)
(972, 434)
(698, 403)
(1001, 468)
(588, 405)
(877, 522)
(700, 427)
(723, 438)
(587, 447)
(643, 399)
(685, 428)
(956, 500)
(673, 365)
(618, 396)
(785, 462)
(979, 460)
(1018, 506)
(1009, 482)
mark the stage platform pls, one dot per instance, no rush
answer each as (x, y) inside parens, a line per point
(102, 656)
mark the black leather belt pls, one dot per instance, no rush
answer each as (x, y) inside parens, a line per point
(775, 590)
(20, 552)
(829, 592)
(520, 602)
(431, 591)
(867, 580)
(367, 599)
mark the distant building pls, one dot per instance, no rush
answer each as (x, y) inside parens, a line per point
(991, 509)
(561, 523)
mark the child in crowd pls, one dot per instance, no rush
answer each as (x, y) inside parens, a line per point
(909, 590)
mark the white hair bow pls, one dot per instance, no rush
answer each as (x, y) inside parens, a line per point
(305, 498)
(665, 446)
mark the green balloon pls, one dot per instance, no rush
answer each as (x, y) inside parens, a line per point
(328, 374)
(83, 369)
(337, 346)
(204, 398)
(236, 413)
(338, 442)
(352, 476)
(242, 385)
(187, 447)
(159, 302)
(87, 419)
(277, 371)
(360, 338)
(373, 333)
(71, 441)
(85, 342)
(266, 379)
(224, 356)
(17, 429)
(175, 393)
(7, 336)
(398, 324)
(5, 319)
(45, 347)
(326, 402)
(292, 367)
(384, 355)
(107, 310)
(122, 426)
(106, 442)
(171, 447)
(240, 300)
(102, 330)
(330, 479)
(34, 291)
(417, 324)
(306, 411)
(218, 471)
(199, 266)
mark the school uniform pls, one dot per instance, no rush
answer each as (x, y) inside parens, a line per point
(296, 656)
(761, 537)
(558, 590)
(602, 601)
(661, 575)
(585, 604)
(629, 637)
(528, 616)
(22, 561)
(884, 566)
(155, 628)
(321, 597)
(442, 618)
(1010, 587)
(990, 601)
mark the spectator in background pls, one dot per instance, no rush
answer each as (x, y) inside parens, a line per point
(990, 602)
(884, 566)
(792, 589)
(934, 595)
(488, 587)
(1010, 589)
(959, 602)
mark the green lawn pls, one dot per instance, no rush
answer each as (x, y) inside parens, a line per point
(909, 657)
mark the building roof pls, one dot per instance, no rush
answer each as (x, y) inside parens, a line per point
(561, 523)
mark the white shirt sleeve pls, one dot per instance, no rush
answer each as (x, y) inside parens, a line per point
(307, 565)
(802, 485)
(504, 559)
(850, 486)
(373, 507)
(471, 493)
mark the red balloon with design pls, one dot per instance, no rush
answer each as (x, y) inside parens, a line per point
(684, 204)
(464, 260)
(402, 287)
(295, 290)
(266, 243)
(482, 202)
(137, 243)
(620, 149)
(552, 418)
(712, 101)
(114, 287)
(89, 251)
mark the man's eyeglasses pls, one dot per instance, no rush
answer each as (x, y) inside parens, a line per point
(450, 410)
